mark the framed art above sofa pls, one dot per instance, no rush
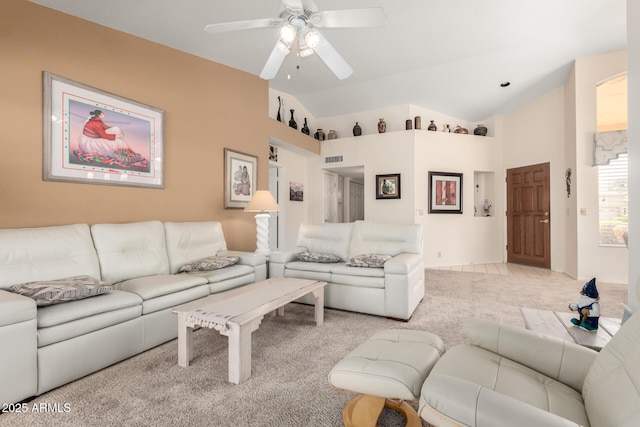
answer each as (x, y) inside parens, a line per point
(95, 137)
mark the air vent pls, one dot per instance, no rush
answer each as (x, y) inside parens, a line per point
(334, 159)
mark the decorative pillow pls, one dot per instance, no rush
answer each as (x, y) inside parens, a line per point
(318, 257)
(369, 260)
(63, 290)
(209, 264)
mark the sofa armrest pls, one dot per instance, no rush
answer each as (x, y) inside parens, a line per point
(562, 360)
(445, 398)
(402, 263)
(283, 257)
(246, 258)
(16, 308)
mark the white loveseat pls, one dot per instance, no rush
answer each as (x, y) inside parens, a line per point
(394, 291)
(44, 347)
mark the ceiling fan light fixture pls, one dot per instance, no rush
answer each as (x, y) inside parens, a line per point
(284, 47)
(288, 33)
(306, 52)
(311, 37)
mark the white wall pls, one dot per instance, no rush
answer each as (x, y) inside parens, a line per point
(633, 89)
(535, 134)
(607, 264)
(380, 154)
(454, 239)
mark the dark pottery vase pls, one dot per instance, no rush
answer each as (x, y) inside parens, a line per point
(461, 130)
(319, 135)
(305, 128)
(408, 124)
(432, 126)
(292, 123)
(480, 130)
(332, 134)
(357, 130)
(279, 117)
(417, 122)
(382, 126)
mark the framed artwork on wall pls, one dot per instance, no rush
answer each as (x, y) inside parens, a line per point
(296, 191)
(445, 192)
(240, 175)
(388, 186)
(94, 137)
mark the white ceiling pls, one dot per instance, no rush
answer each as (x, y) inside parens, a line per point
(448, 56)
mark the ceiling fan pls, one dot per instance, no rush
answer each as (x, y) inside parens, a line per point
(299, 21)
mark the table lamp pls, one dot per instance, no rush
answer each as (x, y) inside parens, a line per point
(263, 203)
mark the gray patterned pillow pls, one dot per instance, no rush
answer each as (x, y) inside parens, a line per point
(368, 260)
(318, 257)
(209, 264)
(63, 290)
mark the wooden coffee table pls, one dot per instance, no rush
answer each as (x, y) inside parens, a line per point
(240, 311)
(558, 324)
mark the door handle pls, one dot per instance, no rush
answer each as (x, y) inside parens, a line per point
(544, 221)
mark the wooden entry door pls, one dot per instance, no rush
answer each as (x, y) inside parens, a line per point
(528, 216)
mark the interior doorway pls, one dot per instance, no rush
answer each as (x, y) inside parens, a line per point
(344, 194)
(275, 218)
(529, 216)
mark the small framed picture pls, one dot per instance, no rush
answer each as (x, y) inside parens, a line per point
(388, 186)
(240, 174)
(445, 192)
(296, 191)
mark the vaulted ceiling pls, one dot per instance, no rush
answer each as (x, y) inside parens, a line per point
(449, 56)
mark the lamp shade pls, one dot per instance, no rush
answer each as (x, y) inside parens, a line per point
(262, 201)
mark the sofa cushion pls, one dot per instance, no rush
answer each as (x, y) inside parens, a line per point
(368, 260)
(345, 270)
(312, 266)
(318, 257)
(74, 310)
(187, 241)
(34, 254)
(150, 287)
(330, 238)
(391, 239)
(209, 264)
(230, 272)
(65, 321)
(127, 251)
(50, 292)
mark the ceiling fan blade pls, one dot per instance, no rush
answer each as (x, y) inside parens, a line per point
(293, 4)
(349, 18)
(332, 58)
(242, 25)
(273, 64)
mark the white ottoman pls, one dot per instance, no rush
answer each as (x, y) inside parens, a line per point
(391, 365)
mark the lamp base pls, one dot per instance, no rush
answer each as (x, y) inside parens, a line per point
(262, 229)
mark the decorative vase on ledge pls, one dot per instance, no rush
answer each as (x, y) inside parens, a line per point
(480, 130)
(432, 126)
(382, 126)
(319, 135)
(292, 123)
(332, 134)
(357, 130)
(408, 124)
(417, 122)
(305, 128)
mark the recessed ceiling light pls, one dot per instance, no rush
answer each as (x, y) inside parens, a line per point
(505, 84)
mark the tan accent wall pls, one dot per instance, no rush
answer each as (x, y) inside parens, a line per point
(207, 107)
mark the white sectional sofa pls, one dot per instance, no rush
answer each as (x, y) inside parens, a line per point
(393, 290)
(44, 347)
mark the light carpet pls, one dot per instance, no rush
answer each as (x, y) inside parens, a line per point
(291, 360)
